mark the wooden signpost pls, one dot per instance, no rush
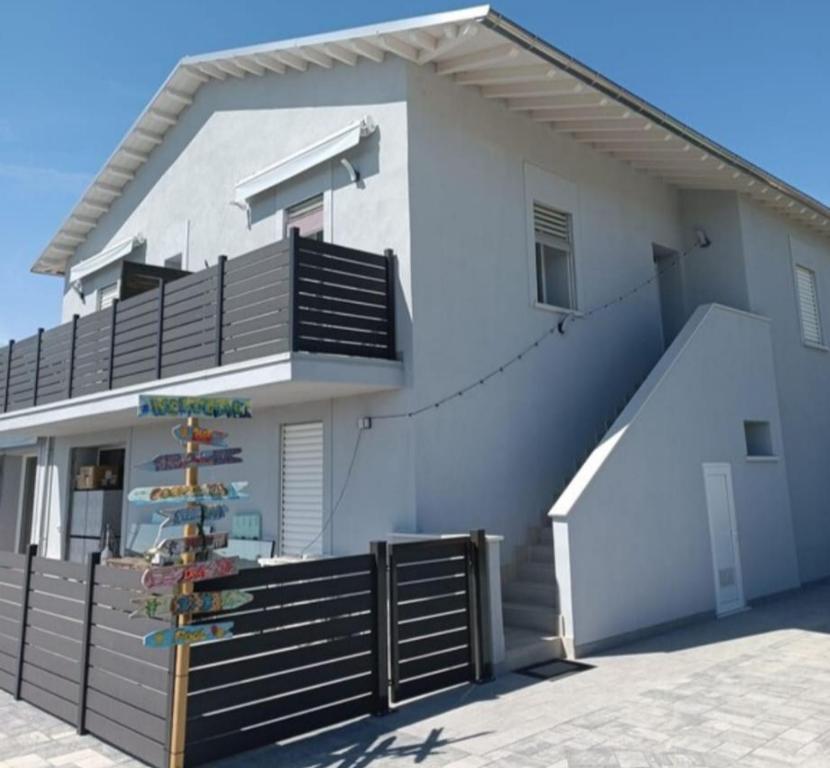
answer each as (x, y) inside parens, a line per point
(184, 603)
(156, 606)
(215, 458)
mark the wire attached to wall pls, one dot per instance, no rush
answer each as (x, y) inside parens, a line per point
(702, 241)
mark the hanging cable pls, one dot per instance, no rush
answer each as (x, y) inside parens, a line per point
(558, 327)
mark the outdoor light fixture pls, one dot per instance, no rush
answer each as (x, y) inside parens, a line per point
(701, 238)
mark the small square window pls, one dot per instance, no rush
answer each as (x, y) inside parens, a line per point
(758, 439)
(107, 294)
(555, 279)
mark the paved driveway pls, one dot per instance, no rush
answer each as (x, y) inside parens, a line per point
(750, 690)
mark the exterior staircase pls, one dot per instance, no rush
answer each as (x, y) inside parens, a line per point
(530, 596)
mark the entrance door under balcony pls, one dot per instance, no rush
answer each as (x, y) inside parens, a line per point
(301, 489)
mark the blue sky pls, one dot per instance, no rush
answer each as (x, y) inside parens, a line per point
(750, 74)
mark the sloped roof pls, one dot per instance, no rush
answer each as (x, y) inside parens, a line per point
(478, 48)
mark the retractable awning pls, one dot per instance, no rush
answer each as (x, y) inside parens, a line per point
(104, 258)
(303, 160)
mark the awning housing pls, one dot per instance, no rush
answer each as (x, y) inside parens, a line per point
(103, 259)
(303, 160)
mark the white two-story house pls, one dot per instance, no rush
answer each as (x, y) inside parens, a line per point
(467, 282)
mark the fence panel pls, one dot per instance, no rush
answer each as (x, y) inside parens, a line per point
(344, 300)
(432, 616)
(127, 684)
(256, 304)
(53, 376)
(135, 347)
(189, 323)
(11, 605)
(22, 373)
(54, 632)
(302, 658)
(90, 370)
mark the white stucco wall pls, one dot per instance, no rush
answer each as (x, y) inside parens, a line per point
(496, 457)
(773, 244)
(631, 532)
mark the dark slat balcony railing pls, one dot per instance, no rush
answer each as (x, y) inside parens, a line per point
(297, 295)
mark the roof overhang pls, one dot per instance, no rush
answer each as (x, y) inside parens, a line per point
(478, 48)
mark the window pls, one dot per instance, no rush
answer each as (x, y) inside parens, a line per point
(758, 439)
(555, 283)
(807, 296)
(107, 294)
(307, 216)
(301, 489)
(174, 262)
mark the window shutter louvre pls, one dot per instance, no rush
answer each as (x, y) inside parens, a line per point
(301, 489)
(106, 295)
(805, 285)
(549, 221)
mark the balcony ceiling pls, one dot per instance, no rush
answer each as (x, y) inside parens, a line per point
(477, 48)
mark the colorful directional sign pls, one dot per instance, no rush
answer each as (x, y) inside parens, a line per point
(195, 407)
(157, 577)
(157, 606)
(194, 513)
(168, 461)
(164, 494)
(178, 547)
(201, 435)
(188, 634)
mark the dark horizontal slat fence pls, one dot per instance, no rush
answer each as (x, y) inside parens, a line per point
(302, 658)
(68, 646)
(432, 616)
(296, 295)
(310, 651)
(127, 685)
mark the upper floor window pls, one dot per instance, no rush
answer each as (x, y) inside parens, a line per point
(808, 310)
(307, 216)
(555, 274)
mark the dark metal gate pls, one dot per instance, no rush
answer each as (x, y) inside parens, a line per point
(438, 608)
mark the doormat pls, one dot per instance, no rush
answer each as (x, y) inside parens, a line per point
(547, 670)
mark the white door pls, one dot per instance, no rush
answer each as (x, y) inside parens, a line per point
(301, 489)
(726, 556)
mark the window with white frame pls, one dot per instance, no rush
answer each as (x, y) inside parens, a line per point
(107, 294)
(808, 309)
(555, 278)
(307, 216)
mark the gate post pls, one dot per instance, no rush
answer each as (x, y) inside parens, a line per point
(380, 616)
(92, 563)
(482, 586)
(24, 611)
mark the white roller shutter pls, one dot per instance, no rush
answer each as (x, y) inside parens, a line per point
(805, 287)
(301, 489)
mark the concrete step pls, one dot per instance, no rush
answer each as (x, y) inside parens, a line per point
(539, 593)
(536, 571)
(539, 553)
(525, 647)
(542, 619)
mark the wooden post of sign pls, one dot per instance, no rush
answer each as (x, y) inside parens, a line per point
(178, 730)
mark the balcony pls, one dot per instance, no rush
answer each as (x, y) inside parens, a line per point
(295, 296)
